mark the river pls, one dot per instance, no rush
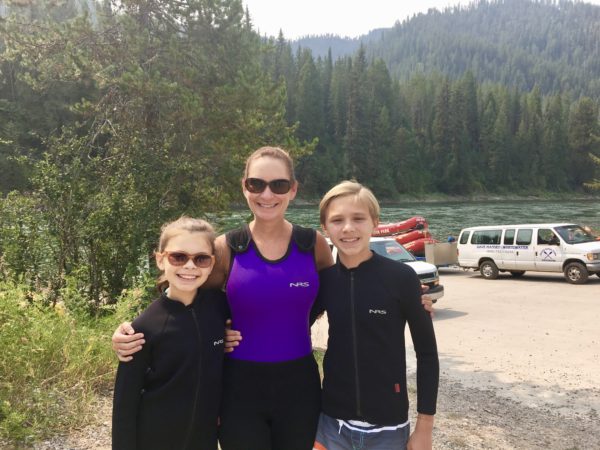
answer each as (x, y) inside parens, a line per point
(448, 218)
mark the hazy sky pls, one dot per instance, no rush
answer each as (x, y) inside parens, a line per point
(343, 17)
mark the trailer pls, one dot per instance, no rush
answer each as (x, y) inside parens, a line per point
(441, 253)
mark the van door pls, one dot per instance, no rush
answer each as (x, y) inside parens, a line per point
(548, 252)
(525, 250)
(509, 251)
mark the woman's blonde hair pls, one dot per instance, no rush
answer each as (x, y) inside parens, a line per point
(350, 188)
(272, 152)
(171, 229)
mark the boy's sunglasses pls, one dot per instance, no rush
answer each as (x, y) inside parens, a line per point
(178, 259)
(257, 185)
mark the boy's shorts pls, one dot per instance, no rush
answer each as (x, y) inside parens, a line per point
(331, 435)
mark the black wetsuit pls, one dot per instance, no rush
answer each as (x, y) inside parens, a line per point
(168, 396)
(365, 363)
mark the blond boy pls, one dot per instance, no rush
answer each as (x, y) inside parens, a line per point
(369, 299)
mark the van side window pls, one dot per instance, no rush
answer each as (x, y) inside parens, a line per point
(509, 237)
(464, 237)
(486, 237)
(524, 237)
(546, 237)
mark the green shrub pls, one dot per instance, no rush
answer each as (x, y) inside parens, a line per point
(54, 359)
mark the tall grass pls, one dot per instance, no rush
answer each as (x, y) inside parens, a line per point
(54, 360)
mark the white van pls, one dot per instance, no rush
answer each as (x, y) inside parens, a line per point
(547, 247)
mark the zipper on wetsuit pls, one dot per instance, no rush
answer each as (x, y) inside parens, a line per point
(354, 346)
(199, 378)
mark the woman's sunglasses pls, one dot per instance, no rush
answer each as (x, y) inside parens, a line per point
(257, 185)
(178, 259)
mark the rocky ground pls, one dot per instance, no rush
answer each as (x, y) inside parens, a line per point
(468, 418)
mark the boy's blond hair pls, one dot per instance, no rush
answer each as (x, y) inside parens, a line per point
(350, 188)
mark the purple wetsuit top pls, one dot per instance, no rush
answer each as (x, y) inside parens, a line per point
(270, 303)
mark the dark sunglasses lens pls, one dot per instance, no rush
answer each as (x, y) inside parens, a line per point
(202, 260)
(178, 259)
(280, 186)
(255, 185)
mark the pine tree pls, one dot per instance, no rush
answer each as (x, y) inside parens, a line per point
(555, 145)
(583, 141)
(442, 136)
(356, 139)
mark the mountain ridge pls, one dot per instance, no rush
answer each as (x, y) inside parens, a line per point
(552, 44)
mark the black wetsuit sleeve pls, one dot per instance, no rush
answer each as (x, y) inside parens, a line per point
(318, 306)
(423, 337)
(127, 396)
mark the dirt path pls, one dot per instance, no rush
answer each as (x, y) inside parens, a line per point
(468, 418)
(519, 359)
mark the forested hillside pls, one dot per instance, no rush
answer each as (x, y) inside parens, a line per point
(518, 43)
(431, 133)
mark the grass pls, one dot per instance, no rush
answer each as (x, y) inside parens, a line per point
(54, 362)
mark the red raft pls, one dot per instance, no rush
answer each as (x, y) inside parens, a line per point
(391, 229)
(417, 247)
(411, 236)
(412, 233)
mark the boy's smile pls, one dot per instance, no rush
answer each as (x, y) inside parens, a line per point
(349, 226)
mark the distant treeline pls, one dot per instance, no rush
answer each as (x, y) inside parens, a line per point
(518, 43)
(431, 133)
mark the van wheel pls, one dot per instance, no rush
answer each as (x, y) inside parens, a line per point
(576, 273)
(488, 270)
(517, 273)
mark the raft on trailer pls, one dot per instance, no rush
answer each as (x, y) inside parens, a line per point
(412, 236)
(417, 247)
(412, 233)
(390, 229)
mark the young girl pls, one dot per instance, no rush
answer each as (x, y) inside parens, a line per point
(168, 397)
(369, 300)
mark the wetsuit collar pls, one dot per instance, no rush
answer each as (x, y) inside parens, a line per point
(174, 306)
(365, 263)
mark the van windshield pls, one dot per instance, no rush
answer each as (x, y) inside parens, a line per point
(574, 234)
(391, 249)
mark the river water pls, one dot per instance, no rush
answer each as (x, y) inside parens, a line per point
(448, 218)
